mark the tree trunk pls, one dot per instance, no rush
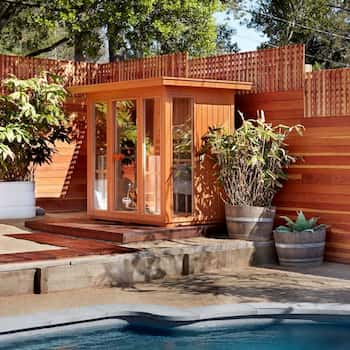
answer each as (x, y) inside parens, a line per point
(78, 48)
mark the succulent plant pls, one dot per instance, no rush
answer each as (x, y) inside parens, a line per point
(300, 224)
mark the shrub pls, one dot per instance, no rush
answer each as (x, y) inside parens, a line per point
(32, 120)
(251, 161)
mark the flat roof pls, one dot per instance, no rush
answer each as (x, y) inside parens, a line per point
(162, 81)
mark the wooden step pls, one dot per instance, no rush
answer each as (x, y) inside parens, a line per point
(73, 247)
(116, 232)
(61, 204)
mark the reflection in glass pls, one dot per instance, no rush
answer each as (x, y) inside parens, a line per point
(182, 155)
(100, 185)
(152, 158)
(125, 155)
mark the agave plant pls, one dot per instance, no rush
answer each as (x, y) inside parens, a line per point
(300, 224)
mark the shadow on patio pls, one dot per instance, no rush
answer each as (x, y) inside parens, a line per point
(259, 284)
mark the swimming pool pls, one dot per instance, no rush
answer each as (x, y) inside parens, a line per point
(203, 328)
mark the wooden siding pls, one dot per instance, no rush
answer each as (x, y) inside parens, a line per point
(210, 108)
(276, 105)
(319, 183)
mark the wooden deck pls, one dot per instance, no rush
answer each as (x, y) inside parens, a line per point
(67, 247)
(117, 233)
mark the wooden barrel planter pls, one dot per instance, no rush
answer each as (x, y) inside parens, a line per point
(300, 248)
(250, 223)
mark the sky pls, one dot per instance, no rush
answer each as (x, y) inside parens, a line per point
(247, 38)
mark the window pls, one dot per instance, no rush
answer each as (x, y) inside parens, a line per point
(182, 128)
(151, 166)
(100, 144)
(125, 155)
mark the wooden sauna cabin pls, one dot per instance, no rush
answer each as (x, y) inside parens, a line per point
(143, 142)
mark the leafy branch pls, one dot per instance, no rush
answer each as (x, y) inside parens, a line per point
(32, 121)
(251, 161)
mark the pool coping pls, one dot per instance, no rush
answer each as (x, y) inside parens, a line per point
(158, 316)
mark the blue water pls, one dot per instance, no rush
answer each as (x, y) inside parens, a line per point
(272, 337)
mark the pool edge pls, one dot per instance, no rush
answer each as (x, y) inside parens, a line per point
(165, 316)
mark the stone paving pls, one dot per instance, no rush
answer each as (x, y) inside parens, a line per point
(246, 284)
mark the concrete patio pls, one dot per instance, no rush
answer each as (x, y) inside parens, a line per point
(246, 284)
(178, 272)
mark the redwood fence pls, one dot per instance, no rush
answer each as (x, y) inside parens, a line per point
(327, 93)
(277, 69)
(174, 65)
(73, 73)
(271, 70)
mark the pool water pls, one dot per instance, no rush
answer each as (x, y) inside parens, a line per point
(271, 337)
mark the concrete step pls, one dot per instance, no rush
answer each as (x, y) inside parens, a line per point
(184, 257)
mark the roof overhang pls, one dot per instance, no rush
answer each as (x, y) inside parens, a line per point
(163, 81)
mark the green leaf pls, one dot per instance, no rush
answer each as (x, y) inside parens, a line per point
(283, 229)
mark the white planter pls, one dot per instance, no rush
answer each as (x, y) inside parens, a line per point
(17, 200)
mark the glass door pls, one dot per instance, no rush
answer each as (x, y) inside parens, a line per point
(136, 157)
(151, 157)
(182, 131)
(125, 155)
(100, 156)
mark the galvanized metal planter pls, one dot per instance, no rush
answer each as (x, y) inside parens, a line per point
(250, 223)
(18, 200)
(300, 248)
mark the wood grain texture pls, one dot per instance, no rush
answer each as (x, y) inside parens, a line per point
(283, 105)
(271, 70)
(326, 92)
(319, 184)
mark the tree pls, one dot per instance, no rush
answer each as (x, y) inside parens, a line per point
(323, 27)
(131, 28)
(224, 43)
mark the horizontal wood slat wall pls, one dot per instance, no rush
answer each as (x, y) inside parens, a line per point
(281, 105)
(320, 183)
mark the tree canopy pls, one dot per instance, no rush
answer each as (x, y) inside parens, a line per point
(128, 28)
(321, 25)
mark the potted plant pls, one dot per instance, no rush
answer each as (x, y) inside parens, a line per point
(251, 164)
(300, 242)
(32, 120)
